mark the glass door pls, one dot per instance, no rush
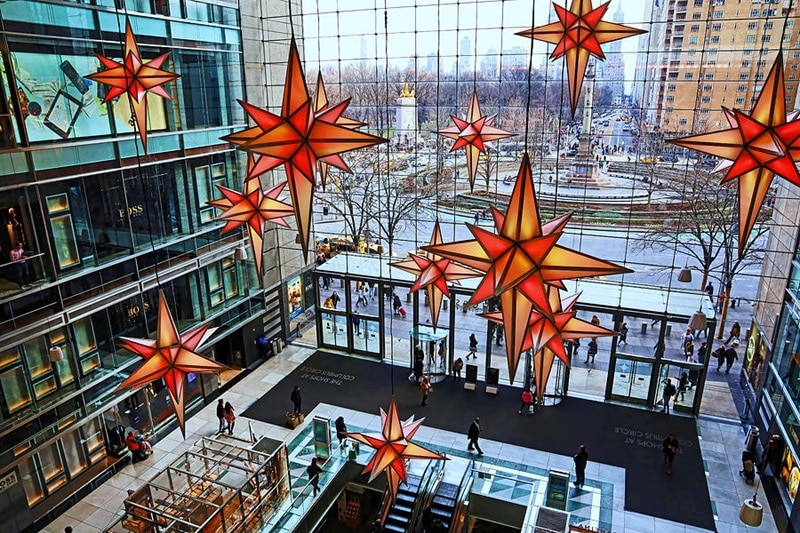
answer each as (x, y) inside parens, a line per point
(685, 376)
(631, 381)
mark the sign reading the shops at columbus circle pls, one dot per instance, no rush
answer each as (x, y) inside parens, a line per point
(325, 376)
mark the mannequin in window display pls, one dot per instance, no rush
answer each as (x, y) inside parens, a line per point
(15, 230)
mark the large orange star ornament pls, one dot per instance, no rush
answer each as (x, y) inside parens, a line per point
(170, 356)
(321, 104)
(297, 139)
(472, 134)
(578, 34)
(393, 447)
(521, 261)
(433, 273)
(759, 146)
(135, 78)
(253, 207)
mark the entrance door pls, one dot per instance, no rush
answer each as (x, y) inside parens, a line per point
(631, 379)
(684, 400)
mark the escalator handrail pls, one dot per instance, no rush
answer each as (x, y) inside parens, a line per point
(464, 488)
(427, 487)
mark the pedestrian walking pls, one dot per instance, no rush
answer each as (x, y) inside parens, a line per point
(230, 417)
(772, 456)
(313, 472)
(458, 364)
(419, 364)
(670, 448)
(689, 350)
(341, 432)
(473, 347)
(425, 388)
(623, 333)
(719, 354)
(683, 385)
(701, 353)
(686, 338)
(731, 356)
(527, 401)
(667, 394)
(580, 459)
(592, 350)
(472, 434)
(710, 289)
(297, 399)
(335, 299)
(221, 415)
(736, 330)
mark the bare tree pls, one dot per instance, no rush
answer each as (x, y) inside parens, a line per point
(352, 196)
(396, 199)
(706, 230)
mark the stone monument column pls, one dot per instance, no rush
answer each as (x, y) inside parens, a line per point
(406, 122)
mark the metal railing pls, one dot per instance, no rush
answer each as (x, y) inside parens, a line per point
(464, 488)
(427, 489)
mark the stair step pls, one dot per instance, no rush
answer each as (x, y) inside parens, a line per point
(443, 502)
(394, 527)
(402, 509)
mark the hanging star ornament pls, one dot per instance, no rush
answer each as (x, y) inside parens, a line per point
(320, 105)
(170, 356)
(393, 447)
(253, 207)
(521, 261)
(135, 78)
(578, 34)
(472, 134)
(433, 273)
(297, 139)
(758, 147)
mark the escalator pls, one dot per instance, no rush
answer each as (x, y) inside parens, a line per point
(402, 511)
(443, 504)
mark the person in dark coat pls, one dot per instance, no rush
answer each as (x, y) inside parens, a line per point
(297, 399)
(341, 432)
(313, 472)
(772, 456)
(719, 354)
(670, 448)
(473, 433)
(592, 350)
(731, 356)
(419, 364)
(580, 459)
(221, 415)
(458, 364)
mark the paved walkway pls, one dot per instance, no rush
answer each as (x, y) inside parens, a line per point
(721, 446)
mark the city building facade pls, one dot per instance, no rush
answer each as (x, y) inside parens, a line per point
(105, 227)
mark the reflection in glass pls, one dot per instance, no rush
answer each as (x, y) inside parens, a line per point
(37, 358)
(84, 335)
(15, 389)
(8, 357)
(30, 482)
(64, 236)
(74, 454)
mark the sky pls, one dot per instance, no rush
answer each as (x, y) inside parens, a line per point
(420, 27)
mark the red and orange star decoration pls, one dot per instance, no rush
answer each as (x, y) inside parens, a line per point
(521, 262)
(253, 207)
(135, 78)
(472, 134)
(758, 147)
(433, 273)
(393, 447)
(170, 356)
(320, 105)
(578, 34)
(297, 139)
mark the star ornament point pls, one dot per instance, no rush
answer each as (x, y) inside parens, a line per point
(579, 33)
(170, 356)
(393, 447)
(757, 147)
(298, 138)
(253, 207)
(472, 134)
(136, 78)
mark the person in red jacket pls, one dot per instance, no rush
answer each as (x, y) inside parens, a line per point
(136, 447)
(527, 400)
